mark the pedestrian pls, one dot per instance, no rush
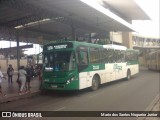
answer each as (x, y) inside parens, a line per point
(19, 83)
(10, 71)
(22, 78)
(32, 72)
(28, 78)
(40, 73)
(1, 78)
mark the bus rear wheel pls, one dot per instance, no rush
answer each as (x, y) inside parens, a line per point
(95, 83)
(128, 75)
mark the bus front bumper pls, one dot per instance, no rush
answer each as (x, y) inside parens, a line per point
(74, 85)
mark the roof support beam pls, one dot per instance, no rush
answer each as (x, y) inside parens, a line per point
(18, 56)
(37, 13)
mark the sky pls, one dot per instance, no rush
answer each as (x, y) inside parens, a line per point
(147, 28)
(35, 50)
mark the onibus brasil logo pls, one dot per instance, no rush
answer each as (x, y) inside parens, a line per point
(117, 67)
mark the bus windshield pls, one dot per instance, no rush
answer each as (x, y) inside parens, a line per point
(60, 61)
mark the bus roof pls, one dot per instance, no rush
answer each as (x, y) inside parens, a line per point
(115, 47)
(77, 43)
(152, 52)
(108, 46)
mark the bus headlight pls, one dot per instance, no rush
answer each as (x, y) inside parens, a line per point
(69, 80)
(46, 80)
(72, 78)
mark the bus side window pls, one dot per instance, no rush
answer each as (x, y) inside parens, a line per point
(127, 56)
(117, 56)
(94, 55)
(106, 59)
(120, 56)
(123, 56)
(110, 55)
(103, 56)
(82, 57)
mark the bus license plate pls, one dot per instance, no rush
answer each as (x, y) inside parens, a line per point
(54, 86)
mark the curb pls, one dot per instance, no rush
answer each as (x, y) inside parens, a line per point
(152, 107)
(17, 97)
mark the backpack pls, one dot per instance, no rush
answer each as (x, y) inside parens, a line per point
(10, 71)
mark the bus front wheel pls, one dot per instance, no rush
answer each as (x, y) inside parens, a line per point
(95, 83)
(42, 90)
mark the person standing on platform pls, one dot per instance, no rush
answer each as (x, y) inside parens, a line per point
(10, 71)
(22, 78)
(1, 78)
(32, 72)
(28, 77)
(40, 75)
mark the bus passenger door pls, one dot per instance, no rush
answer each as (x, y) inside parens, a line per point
(82, 63)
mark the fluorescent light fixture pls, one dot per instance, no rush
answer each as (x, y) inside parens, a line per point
(107, 12)
(33, 23)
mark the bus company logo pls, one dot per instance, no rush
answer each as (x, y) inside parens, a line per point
(6, 114)
(95, 67)
(117, 67)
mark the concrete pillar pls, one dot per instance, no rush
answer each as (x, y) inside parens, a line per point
(127, 39)
(90, 38)
(73, 30)
(18, 56)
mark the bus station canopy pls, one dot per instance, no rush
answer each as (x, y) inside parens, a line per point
(58, 18)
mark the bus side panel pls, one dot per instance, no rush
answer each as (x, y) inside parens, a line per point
(133, 68)
(85, 78)
(115, 71)
(120, 70)
(109, 72)
(136, 69)
(103, 76)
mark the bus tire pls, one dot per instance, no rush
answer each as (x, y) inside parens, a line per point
(148, 67)
(42, 90)
(128, 77)
(95, 83)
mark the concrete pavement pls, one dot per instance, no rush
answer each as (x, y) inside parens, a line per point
(11, 90)
(12, 94)
(154, 106)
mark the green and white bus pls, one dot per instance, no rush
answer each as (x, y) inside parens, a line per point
(153, 60)
(77, 65)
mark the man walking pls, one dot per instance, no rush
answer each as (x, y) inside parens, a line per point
(10, 71)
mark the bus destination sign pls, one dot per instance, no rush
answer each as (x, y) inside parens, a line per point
(59, 46)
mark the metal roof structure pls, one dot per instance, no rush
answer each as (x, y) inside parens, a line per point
(129, 9)
(58, 18)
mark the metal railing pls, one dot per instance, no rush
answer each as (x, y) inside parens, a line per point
(144, 42)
